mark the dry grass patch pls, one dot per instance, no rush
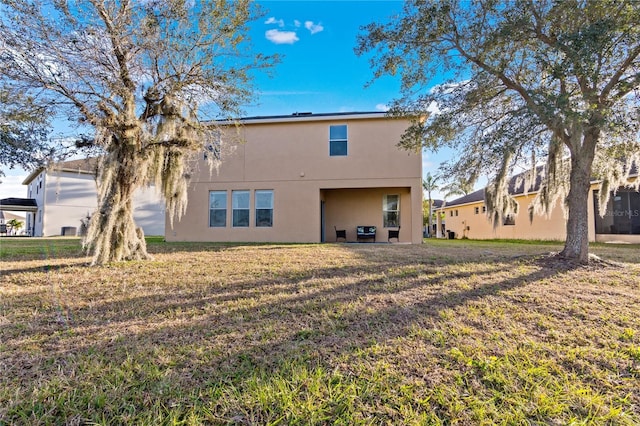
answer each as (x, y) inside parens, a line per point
(448, 332)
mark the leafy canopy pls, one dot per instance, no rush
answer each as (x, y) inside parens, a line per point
(528, 80)
(147, 76)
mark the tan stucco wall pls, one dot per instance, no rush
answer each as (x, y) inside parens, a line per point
(541, 228)
(292, 159)
(481, 227)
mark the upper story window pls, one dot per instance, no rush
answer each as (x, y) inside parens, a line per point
(391, 211)
(264, 208)
(218, 209)
(213, 148)
(338, 140)
(240, 204)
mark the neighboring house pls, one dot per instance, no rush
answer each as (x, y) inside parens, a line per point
(298, 178)
(66, 193)
(466, 217)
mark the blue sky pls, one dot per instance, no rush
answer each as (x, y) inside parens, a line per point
(319, 71)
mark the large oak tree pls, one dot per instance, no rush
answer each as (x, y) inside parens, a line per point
(144, 74)
(548, 80)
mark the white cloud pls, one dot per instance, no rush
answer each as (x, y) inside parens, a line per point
(272, 20)
(313, 28)
(382, 107)
(297, 23)
(281, 37)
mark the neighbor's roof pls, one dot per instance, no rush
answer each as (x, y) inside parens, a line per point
(19, 204)
(8, 216)
(437, 203)
(81, 166)
(516, 187)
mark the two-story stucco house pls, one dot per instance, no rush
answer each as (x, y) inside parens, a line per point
(66, 193)
(299, 178)
(466, 217)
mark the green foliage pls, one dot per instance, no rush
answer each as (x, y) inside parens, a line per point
(549, 80)
(15, 224)
(23, 131)
(146, 76)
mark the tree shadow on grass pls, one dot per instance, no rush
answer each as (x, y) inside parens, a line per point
(217, 333)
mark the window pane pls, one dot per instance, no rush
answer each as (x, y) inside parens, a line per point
(390, 202)
(218, 209)
(338, 148)
(240, 199)
(218, 218)
(264, 217)
(338, 132)
(264, 199)
(218, 199)
(622, 215)
(390, 219)
(241, 218)
(391, 211)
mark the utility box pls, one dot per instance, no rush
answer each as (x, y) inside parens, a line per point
(68, 231)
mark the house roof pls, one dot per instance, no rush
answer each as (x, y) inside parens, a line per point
(308, 116)
(19, 204)
(81, 166)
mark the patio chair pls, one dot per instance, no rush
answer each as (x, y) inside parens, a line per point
(394, 233)
(340, 233)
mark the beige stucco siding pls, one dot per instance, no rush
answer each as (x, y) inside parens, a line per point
(458, 217)
(480, 226)
(292, 159)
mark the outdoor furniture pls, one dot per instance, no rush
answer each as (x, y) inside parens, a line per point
(394, 233)
(366, 233)
(340, 233)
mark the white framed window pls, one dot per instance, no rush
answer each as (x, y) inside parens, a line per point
(338, 142)
(218, 209)
(264, 208)
(240, 206)
(391, 211)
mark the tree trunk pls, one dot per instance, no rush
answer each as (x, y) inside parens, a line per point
(576, 247)
(113, 235)
(429, 218)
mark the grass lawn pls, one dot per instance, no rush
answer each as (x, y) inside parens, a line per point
(450, 332)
